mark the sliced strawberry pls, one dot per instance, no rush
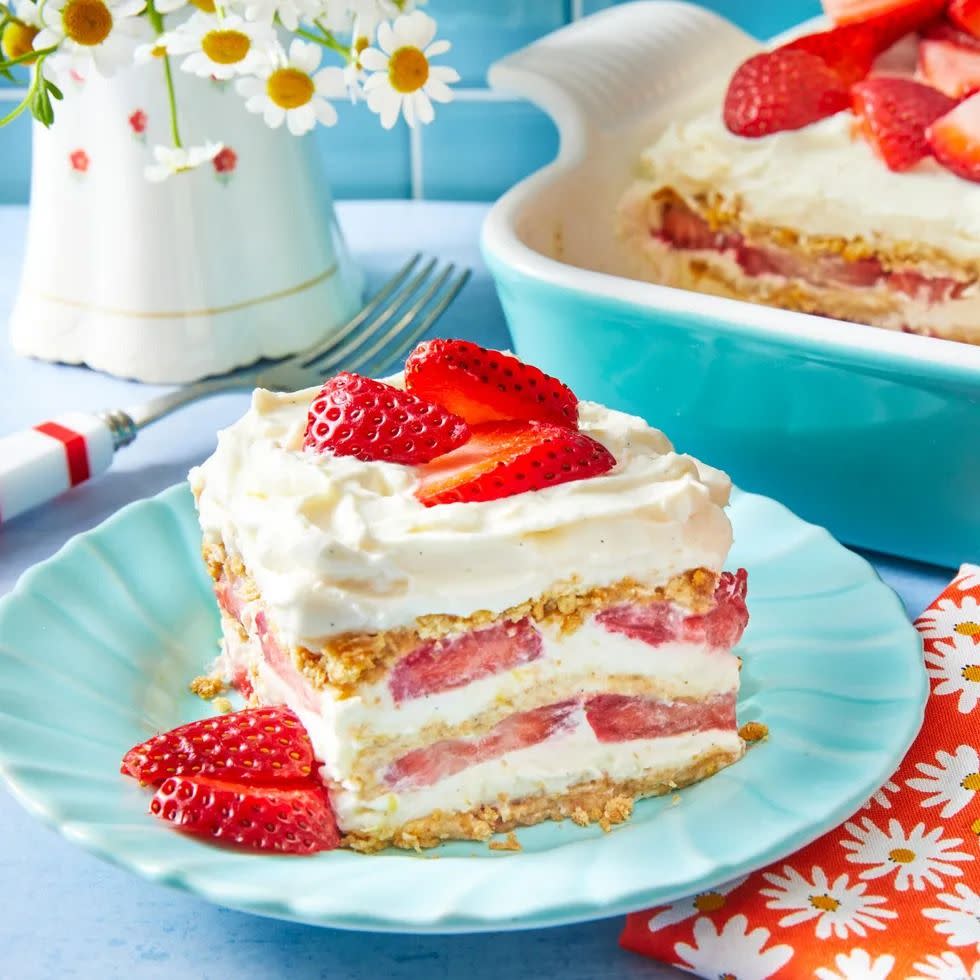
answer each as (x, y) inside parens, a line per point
(296, 820)
(683, 228)
(483, 385)
(657, 623)
(242, 683)
(945, 30)
(955, 139)
(505, 458)
(906, 15)
(428, 765)
(622, 718)
(895, 113)
(951, 68)
(965, 14)
(848, 51)
(355, 416)
(441, 665)
(260, 746)
(781, 90)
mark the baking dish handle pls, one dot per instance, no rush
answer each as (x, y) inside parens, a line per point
(598, 74)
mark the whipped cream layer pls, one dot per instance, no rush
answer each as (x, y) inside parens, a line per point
(335, 544)
(822, 180)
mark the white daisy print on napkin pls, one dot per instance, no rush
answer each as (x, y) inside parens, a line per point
(969, 578)
(709, 901)
(955, 664)
(945, 966)
(952, 782)
(881, 797)
(858, 965)
(733, 951)
(960, 921)
(838, 907)
(934, 623)
(917, 858)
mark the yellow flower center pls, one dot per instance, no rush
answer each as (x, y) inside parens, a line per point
(975, 826)
(709, 902)
(158, 51)
(289, 88)
(968, 629)
(206, 5)
(86, 22)
(408, 70)
(825, 903)
(361, 43)
(17, 40)
(972, 673)
(972, 782)
(225, 47)
(901, 855)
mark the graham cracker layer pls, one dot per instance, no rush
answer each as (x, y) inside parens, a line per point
(604, 801)
(348, 660)
(876, 305)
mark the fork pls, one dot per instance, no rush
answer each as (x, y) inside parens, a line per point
(40, 463)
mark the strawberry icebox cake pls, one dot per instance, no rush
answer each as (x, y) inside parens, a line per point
(457, 602)
(838, 174)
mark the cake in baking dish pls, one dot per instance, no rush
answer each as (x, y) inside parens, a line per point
(838, 176)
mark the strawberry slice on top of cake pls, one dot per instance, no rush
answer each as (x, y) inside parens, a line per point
(481, 602)
(836, 174)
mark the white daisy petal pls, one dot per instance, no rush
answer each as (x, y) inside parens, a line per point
(437, 48)
(438, 91)
(443, 73)
(273, 115)
(387, 40)
(306, 57)
(326, 114)
(373, 60)
(734, 950)
(389, 112)
(330, 82)
(423, 108)
(417, 28)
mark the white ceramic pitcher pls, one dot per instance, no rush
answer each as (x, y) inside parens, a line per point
(169, 282)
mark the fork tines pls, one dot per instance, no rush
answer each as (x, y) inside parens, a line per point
(411, 304)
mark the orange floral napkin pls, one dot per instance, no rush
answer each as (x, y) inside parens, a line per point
(894, 893)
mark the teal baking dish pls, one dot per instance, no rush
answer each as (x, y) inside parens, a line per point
(874, 434)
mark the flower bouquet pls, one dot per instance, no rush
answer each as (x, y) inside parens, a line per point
(270, 50)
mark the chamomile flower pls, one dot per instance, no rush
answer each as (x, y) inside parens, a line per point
(403, 79)
(968, 578)
(293, 91)
(289, 12)
(170, 160)
(858, 965)
(704, 902)
(221, 48)
(734, 950)
(959, 921)
(952, 783)
(945, 966)
(99, 33)
(18, 36)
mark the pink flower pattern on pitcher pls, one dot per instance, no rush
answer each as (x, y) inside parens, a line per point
(137, 123)
(79, 161)
(224, 164)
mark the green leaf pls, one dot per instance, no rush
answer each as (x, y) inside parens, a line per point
(54, 90)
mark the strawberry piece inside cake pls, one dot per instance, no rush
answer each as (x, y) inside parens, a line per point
(487, 602)
(836, 174)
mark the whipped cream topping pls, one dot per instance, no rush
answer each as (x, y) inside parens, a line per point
(336, 544)
(823, 179)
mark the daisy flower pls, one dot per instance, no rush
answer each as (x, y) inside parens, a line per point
(857, 965)
(968, 578)
(709, 901)
(945, 966)
(222, 48)
(18, 36)
(952, 782)
(881, 797)
(917, 858)
(839, 907)
(403, 79)
(99, 33)
(733, 951)
(956, 665)
(172, 160)
(950, 617)
(289, 12)
(960, 922)
(294, 92)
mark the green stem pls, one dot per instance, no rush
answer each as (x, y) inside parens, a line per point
(156, 20)
(36, 79)
(329, 41)
(28, 56)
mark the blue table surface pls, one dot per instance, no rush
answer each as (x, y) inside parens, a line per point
(66, 913)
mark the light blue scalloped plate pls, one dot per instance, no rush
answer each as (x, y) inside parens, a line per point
(98, 643)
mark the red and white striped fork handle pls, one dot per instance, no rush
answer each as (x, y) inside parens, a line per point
(40, 463)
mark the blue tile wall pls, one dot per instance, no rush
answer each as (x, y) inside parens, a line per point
(477, 147)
